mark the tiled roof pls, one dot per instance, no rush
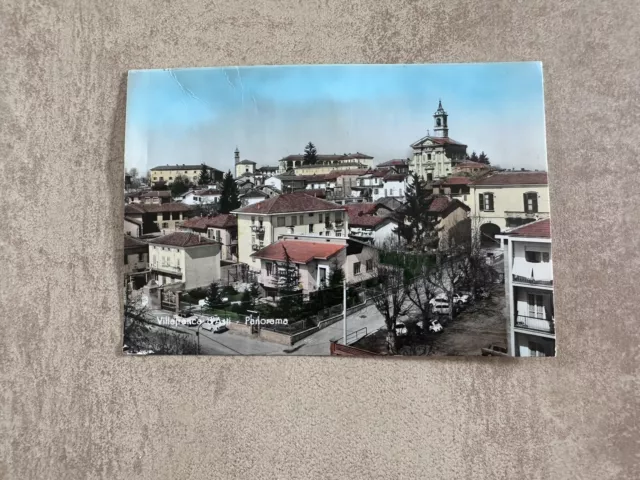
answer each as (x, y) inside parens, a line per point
(439, 204)
(290, 203)
(316, 192)
(221, 220)
(182, 239)
(394, 177)
(156, 193)
(134, 209)
(320, 158)
(268, 168)
(182, 167)
(366, 220)
(356, 209)
(539, 229)
(299, 251)
(131, 242)
(246, 162)
(514, 178)
(253, 193)
(377, 173)
(390, 203)
(439, 141)
(133, 220)
(398, 162)
(320, 165)
(457, 181)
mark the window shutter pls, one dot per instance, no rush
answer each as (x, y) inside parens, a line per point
(490, 202)
(481, 201)
(535, 202)
(525, 198)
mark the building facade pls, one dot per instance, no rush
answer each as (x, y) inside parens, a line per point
(503, 200)
(168, 173)
(325, 163)
(222, 228)
(529, 289)
(261, 224)
(184, 257)
(435, 156)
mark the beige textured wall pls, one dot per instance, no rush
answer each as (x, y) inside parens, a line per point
(72, 408)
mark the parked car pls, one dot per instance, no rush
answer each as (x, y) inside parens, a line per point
(215, 325)
(186, 317)
(401, 329)
(461, 298)
(435, 326)
(439, 306)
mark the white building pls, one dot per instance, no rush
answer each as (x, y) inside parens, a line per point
(184, 257)
(393, 185)
(436, 156)
(529, 289)
(201, 197)
(274, 182)
(369, 222)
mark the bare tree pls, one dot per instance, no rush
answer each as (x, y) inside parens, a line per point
(136, 322)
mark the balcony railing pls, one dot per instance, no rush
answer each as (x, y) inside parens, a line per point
(167, 268)
(532, 281)
(535, 324)
(257, 228)
(535, 215)
(360, 232)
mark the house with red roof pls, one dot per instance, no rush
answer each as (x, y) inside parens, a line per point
(371, 222)
(458, 187)
(163, 218)
(263, 223)
(221, 227)
(507, 199)
(452, 224)
(185, 258)
(201, 197)
(528, 264)
(314, 257)
(470, 168)
(435, 156)
(400, 165)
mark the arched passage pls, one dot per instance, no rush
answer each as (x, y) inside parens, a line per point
(488, 232)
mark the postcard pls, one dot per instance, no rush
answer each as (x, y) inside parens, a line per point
(338, 210)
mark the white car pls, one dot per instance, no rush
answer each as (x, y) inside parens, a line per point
(461, 298)
(215, 325)
(186, 318)
(401, 329)
(440, 305)
(434, 326)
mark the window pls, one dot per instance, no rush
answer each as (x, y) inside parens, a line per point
(375, 191)
(294, 220)
(356, 268)
(281, 221)
(165, 224)
(428, 156)
(175, 216)
(486, 202)
(170, 178)
(126, 259)
(338, 233)
(269, 268)
(323, 275)
(320, 217)
(369, 265)
(166, 216)
(141, 257)
(311, 228)
(536, 350)
(253, 220)
(532, 256)
(301, 219)
(338, 216)
(536, 307)
(531, 202)
(218, 235)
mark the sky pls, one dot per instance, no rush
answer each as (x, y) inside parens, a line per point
(200, 115)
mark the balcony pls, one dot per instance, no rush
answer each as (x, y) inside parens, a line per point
(167, 268)
(255, 247)
(532, 281)
(526, 215)
(257, 228)
(361, 233)
(535, 324)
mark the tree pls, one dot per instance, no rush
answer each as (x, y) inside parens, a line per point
(254, 292)
(414, 222)
(134, 173)
(288, 281)
(474, 157)
(420, 292)
(136, 323)
(483, 158)
(204, 178)
(180, 186)
(390, 299)
(214, 296)
(310, 154)
(229, 196)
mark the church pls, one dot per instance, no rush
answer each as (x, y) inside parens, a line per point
(435, 156)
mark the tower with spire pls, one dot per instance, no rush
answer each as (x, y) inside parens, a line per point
(441, 129)
(236, 156)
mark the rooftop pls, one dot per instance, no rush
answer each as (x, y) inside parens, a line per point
(396, 162)
(470, 164)
(438, 141)
(290, 203)
(299, 251)
(442, 204)
(221, 220)
(513, 178)
(342, 165)
(394, 177)
(182, 239)
(456, 181)
(331, 157)
(183, 167)
(156, 193)
(246, 162)
(131, 242)
(538, 229)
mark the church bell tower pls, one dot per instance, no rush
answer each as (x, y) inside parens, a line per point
(441, 129)
(236, 156)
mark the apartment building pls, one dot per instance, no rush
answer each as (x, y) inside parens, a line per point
(393, 185)
(325, 163)
(221, 227)
(184, 257)
(529, 289)
(136, 259)
(168, 173)
(201, 197)
(296, 213)
(154, 218)
(503, 200)
(371, 223)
